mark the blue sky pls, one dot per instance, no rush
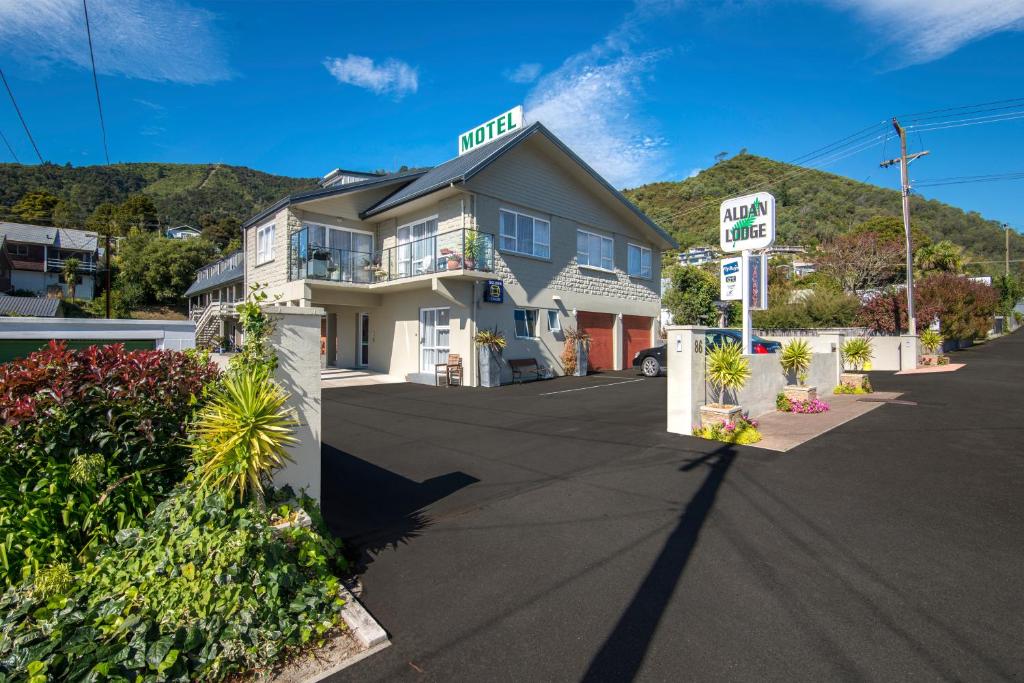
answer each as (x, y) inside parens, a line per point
(643, 91)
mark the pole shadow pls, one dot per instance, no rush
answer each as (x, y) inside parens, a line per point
(372, 508)
(623, 652)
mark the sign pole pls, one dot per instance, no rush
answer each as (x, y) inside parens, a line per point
(747, 326)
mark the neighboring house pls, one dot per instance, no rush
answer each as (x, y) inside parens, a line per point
(5, 267)
(211, 298)
(37, 255)
(182, 232)
(780, 249)
(32, 306)
(697, 256)
(340, 176)
(803, 268)
(518, 235)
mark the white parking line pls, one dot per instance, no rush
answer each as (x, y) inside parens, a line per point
(596, 386)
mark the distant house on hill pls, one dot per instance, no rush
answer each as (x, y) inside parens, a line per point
(37, 255)
(182, 232)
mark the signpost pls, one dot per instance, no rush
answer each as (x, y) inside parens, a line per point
(747, 224)
(500, 125)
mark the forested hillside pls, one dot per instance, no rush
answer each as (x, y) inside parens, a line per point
(181, 193)
(812, 206)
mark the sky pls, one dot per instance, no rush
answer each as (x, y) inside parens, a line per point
(644, 91)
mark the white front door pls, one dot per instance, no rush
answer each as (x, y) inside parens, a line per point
(434, 335)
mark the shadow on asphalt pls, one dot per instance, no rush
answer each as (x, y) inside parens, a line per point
(623, 652)
(372, 508)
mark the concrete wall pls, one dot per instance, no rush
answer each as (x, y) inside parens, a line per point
(174, 335)
(767, 380)
(296, 339)
(886, 348)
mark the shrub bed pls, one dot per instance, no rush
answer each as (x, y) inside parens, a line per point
(90, 442)
(742, 431)
(787, 405)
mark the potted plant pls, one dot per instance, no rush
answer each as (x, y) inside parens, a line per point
(795, 360)
(320, 254)
(489, 346)
(473, 246)
(728, 371)
(856, 354)
(931, 340)
(380, 274)
(575, 351)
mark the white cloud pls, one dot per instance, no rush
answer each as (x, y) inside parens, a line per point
(154, 40)
(694, 172)
(526, 72)
(925, 30)
(593, 102)
(390, 77)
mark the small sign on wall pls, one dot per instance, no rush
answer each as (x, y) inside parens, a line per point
(731, 279)
(494, 291)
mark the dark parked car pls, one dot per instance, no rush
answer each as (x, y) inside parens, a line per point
(652, 361)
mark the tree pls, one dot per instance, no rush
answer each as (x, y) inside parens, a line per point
(138, 211)
(104, 220)
(36, 207)
(691, 296)
(890, 229)
(860, 261)
(221, 231)
(70, 272)
(157, 270)
(943, 257)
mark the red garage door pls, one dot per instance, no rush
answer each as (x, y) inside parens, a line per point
(636, 336)
(600, 327)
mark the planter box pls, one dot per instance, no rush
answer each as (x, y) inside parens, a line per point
(798, 393)
(716, 413)
(853, 379)
(581, 360)
(490, 368)
(934, 359)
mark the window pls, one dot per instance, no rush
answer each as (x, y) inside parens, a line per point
(265, 244)
(596, 251)
(553, 323)
(524, 234)
(639, 261)
(18, 249)
(526, 323)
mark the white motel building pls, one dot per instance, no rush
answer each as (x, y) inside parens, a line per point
(516, 233)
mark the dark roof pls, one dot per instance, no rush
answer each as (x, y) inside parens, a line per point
(462, 168)
(219, 280)
(330, 192)
(66, 238)
(37, 306)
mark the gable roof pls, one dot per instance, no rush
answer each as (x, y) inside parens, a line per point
(330, 191)
(44, 235)
(236, 272)
(35, 306)
(462, 168)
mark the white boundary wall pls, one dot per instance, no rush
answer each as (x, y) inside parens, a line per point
(688, 390)
(173, 335)
(886, 348)
(296, 339)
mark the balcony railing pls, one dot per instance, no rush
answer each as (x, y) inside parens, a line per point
(57, 265)
(439, 253)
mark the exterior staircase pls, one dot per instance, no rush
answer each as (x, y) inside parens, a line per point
(208, 321)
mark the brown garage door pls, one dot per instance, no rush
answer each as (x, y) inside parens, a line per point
(600, 327)
(636, 336)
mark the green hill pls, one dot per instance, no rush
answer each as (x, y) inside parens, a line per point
(182, 193)
(811, 206)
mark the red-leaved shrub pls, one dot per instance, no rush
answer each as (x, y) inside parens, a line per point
(965, 308)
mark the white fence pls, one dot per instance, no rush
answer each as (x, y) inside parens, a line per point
(886, 348)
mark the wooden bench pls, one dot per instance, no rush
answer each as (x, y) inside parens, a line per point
(521, 365)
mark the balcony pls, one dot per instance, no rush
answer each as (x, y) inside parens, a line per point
(56, 265)
(439, 254)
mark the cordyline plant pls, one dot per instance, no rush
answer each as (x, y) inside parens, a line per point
(491, 339)
(727, 369)
(857, 353)
(796, 359)
(931, 340)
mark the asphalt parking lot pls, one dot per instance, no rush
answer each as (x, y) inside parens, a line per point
(520, 533)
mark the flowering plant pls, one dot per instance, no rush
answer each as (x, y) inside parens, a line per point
(742, 431)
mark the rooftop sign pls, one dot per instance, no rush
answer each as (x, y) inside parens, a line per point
(510, 121)
(747, 223)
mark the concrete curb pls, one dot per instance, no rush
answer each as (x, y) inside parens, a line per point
(363, 627)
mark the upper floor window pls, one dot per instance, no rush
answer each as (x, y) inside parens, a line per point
(342, 239)
(18, 249)
(524, 234)
(265, 244)
(596, 251)
(639, 261)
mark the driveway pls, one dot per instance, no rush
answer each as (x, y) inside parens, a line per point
(518, 533)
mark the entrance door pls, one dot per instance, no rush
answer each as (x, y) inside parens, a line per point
(434, 335)
(363, 352)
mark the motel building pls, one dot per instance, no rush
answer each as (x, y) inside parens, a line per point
(516, 233)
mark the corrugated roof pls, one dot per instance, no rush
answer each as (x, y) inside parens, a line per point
(65, 238)
(37, 306)
(453, 170)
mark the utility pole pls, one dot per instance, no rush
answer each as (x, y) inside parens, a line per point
(106, 256)
(904, 162)
(1006, 229)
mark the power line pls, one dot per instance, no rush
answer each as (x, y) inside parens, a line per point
(1020, 115)
(95, 81)
(9, 148)
(995, 177)
(18, 109)
(958, 111)
(982, 119)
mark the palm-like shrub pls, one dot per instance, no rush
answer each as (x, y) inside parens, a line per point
(727, 369)
(931, 340)
(242, 434)
(857, 353)
(491, 339)
(796, 358)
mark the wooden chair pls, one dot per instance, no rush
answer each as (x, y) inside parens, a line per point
(451, 371)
